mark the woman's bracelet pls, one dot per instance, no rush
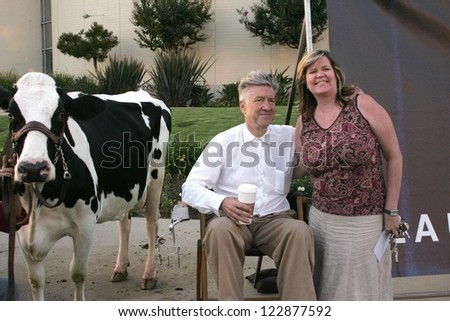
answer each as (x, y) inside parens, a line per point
(391, 212)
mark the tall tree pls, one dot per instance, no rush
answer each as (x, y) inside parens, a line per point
(170, 25)
(94, 44)
(279, 21)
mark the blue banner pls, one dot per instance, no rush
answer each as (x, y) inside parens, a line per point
(398, 52)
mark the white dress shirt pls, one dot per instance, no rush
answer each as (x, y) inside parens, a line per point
(234, 157)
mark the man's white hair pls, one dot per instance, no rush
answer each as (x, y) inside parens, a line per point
(256, 78)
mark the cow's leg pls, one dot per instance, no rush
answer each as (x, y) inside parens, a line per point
(152, 216)
(35, 260)
(122, 262)
(36, 276)
(83, 239)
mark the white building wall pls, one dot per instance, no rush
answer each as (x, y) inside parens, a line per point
(235, 51)
(233, 48)
(20, 36)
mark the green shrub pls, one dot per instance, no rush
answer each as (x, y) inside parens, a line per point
(65, 81)
(8, 79)
(302, 186)
(87, 84)
(83, 83)
(229, 95)
(182, 155)
(284, 86)
(201, 96)
(174, 76)
(121, 75)
(170, 194)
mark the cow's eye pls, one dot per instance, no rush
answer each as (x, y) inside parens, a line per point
(11, 117)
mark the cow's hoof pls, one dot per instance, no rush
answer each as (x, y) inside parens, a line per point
(148, 284)
(119, 276)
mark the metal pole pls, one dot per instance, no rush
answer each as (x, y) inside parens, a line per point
(309, 44)
(301, 50)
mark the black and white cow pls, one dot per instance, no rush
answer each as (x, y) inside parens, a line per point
(82, 160)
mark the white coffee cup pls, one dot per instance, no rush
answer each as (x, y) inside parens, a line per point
(247, 195)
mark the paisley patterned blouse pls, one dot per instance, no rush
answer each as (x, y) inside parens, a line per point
(344, 161)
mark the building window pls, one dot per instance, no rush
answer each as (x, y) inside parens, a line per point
(46, 32)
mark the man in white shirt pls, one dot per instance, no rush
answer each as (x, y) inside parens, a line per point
(262, 154)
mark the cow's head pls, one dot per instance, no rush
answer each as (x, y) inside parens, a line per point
(38, 113)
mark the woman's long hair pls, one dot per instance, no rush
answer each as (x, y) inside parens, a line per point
(306, 100)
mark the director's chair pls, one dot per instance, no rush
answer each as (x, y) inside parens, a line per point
(300, 205)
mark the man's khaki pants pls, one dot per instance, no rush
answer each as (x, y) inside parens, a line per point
(288, 241)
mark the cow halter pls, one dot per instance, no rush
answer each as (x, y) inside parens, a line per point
(57, 140)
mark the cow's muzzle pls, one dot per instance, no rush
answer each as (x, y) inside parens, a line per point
(33, 172)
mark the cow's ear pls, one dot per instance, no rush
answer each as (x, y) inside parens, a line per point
(5, 97)
(83, 107)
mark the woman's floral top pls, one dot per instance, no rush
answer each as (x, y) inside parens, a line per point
(345, 164)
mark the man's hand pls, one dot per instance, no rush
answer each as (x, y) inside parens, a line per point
(236, 211)
(7, 169)
(7, 172)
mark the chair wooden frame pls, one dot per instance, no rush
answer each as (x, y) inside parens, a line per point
(202, 265)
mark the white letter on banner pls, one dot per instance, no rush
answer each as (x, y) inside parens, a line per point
(425, 220)
(448, 221)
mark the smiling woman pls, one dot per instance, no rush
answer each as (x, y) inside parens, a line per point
(341, 138)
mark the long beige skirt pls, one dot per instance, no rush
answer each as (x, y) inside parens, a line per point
(345, 265)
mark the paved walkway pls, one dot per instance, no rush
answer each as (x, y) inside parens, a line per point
(176, 278)
(175, 282)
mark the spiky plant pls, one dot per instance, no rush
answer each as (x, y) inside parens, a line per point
(174, 76)
(121, 75)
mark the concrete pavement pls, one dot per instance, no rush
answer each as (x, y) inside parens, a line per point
(176, 281)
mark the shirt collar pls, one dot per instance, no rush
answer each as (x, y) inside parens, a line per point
(248, 137)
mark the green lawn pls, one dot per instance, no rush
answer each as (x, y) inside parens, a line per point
(4, 127)
(206, 122)
(201, 122)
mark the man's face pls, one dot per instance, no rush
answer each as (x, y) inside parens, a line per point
(258, 107)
